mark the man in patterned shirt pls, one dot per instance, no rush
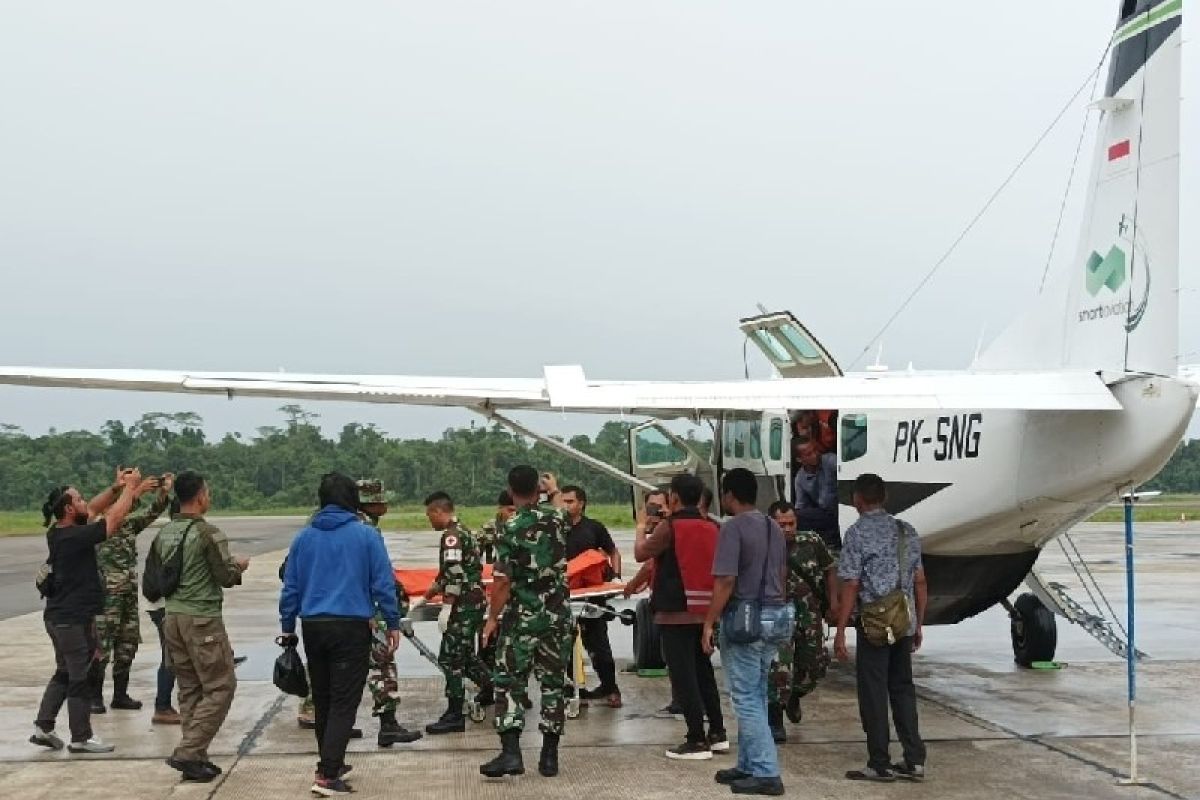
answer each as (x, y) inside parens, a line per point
(870, 568)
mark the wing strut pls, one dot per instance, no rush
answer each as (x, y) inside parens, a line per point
(566, 449)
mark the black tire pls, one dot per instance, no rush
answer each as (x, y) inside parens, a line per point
(647, 646)
(1035, 633)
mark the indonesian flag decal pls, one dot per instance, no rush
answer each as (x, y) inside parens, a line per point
(1118, 150)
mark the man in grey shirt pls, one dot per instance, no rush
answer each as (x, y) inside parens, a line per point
(870, 568)
(750, 565)
(816, 499)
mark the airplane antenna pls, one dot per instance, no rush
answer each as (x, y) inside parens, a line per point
(1062, 209)
(879, 356)
(762, 309)
(986, 207)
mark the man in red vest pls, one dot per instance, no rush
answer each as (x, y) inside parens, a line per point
(683, 546)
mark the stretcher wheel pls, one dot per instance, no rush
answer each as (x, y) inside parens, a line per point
(475, 711)
(573, 707)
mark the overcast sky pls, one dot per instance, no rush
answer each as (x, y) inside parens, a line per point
(483, 188)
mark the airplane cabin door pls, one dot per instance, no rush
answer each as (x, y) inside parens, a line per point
(656, 455)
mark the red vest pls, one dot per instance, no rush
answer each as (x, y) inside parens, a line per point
(683, 577)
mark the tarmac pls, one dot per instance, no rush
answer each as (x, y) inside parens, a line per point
(993, 729)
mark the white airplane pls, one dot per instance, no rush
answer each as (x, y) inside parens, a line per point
(1076, 403)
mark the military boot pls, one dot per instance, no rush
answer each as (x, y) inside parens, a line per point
(121, 699)
(486, 697)
(392, 732)
(775, 721)
(452, 721)
(509, 761)
(548, 761)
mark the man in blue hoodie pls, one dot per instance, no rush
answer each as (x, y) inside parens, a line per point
(337, 574)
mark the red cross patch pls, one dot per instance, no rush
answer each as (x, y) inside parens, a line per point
(451, 541)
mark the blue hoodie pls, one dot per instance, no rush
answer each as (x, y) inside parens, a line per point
(337, 567)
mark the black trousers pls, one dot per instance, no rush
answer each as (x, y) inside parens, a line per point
(338, 655)
(693, 685)
(885, 677)
(74, 651)
(594, 633)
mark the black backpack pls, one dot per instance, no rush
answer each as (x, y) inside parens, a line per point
(161, 577)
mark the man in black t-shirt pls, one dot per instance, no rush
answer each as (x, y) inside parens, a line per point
(75, 597)
(588, 534)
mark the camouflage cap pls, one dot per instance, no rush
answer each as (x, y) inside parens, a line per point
(370, 490)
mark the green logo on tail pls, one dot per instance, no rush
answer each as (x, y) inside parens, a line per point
(1108, 271)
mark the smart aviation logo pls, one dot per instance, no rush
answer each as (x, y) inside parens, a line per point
(1110, 272)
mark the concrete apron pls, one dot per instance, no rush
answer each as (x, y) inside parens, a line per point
(991, 732)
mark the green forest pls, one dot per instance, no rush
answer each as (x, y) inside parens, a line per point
(279, 467)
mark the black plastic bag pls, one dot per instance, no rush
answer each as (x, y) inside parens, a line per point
(290, 675)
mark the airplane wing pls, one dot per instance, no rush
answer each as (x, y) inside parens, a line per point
(567, 389)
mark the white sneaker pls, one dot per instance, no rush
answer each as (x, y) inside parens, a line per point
(92, 745)
(46, 739)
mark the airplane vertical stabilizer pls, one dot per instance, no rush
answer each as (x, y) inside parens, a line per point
(1114, 306)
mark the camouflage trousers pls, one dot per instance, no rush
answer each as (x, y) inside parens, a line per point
(541, 645)
(383, 680)
(801, 662)
(117, 629)
(458, 657)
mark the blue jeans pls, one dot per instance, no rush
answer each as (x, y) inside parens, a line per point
(746, 668)
(166, 678)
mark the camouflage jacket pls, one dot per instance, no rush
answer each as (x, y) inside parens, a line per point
(808, 562)
(460, 570)
(117, 556)
(531, 552)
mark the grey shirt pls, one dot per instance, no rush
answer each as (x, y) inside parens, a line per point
(742, 550)
(869, 556)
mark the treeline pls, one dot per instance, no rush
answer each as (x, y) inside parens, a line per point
(281, 466)
(1181, 475)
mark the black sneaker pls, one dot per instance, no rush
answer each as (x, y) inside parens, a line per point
(871, 774)
(331, 787)
(727, 776)
(196, 771)
(690, 751)
(767, 786)
(909, 772)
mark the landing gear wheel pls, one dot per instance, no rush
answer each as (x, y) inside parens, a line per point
(573, 706)
(647, 645)
(1034, 631)
(475, 712)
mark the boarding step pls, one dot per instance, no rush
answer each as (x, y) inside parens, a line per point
(1058, 600)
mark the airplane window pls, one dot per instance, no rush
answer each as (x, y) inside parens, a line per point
(854, 436)
(728, 434)
(755, 439)
(739, 440)
(655, 447)
(779, 355)
(776, 443)
(802, 343)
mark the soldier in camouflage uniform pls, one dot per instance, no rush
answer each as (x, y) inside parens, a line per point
(486, 538)
(117, 629)
(803, 661)
(383, 681)
(460, 583)
(535, 634)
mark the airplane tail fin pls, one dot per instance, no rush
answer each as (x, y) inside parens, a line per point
(1114, 307)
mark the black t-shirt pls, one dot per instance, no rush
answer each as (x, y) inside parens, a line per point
(78, 594)
(587, 534)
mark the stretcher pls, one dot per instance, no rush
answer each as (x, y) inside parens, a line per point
(589, 591)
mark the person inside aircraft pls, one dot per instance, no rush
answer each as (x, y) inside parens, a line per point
(816, 499)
